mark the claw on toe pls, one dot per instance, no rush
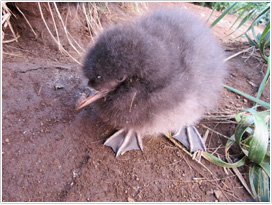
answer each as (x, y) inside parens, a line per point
(124, 140)
(190, 138)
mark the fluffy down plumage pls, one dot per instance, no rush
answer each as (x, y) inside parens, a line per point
(164, 71)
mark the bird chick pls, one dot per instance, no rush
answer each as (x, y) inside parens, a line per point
(155, 75)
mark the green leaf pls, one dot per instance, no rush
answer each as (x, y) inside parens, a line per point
(266, 167)
(214, 8)
(267, 28)
(240, 130)
(221, 163)
(263, 44)
(259, 17)
(254, 35)
(259, 142)
(229, 143)
(252, 42)
(267, 74)
(135, 7)
(243, 21)
(259, 182)
(262, 103)
(240, 16)
(102, 8)
(222, 15)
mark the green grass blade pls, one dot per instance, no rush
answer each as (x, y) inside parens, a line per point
(240, 16)
(260, 16)
(221, 163)
(214, 8)
(102, 8)
(242, 128)
(264, 188)
(259, 142)
(135, 7)
(260, 90)
(262, 103)
(253, 180)
(254, 35)
(252, 42)
(266, 167)
(229, 143)
(266, 116)
(263, 44)
(249, 39)
(222, 15)
(243, 21)
(267, 28)
(259, 182)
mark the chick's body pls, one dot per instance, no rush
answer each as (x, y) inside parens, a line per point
(162, 72)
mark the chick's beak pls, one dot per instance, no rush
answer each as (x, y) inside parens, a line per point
(97, 95)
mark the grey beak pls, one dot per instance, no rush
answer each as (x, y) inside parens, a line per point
(92, 98)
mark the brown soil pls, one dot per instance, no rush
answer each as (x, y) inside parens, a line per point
(51, 153)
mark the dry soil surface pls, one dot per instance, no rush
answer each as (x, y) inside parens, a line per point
(51, 153)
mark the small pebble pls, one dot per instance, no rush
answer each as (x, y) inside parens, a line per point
(217, 193)
(130, 199)
(58, 86)
(209, 192)
(7, 140)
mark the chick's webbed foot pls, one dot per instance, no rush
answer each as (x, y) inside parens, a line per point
(124, 140)
(190, 138)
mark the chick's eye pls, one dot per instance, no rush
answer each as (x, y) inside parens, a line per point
(99, 77)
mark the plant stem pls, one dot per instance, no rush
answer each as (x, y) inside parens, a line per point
(260, 90)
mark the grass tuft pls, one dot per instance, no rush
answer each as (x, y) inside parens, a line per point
(6, 15)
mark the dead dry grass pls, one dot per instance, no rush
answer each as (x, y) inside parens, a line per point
(61, 16)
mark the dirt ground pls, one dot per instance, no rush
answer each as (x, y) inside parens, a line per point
(51, 153)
